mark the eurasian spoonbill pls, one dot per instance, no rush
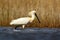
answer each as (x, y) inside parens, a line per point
(24, 20)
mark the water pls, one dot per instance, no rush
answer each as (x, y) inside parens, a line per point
(29, 34)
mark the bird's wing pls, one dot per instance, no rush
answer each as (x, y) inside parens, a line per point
(24, 20)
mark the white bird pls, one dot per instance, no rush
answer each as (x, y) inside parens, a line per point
(25, 20)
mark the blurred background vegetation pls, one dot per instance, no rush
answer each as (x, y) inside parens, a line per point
(48, 12)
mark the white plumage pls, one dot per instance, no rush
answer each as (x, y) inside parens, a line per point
(20, 21)
(25, 20)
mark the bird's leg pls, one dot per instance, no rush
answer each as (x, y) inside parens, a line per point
(23, 26)
(17, 26)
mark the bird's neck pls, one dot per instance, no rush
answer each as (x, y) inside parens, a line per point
(33, 17)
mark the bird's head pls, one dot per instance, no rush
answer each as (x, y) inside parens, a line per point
(32, 13)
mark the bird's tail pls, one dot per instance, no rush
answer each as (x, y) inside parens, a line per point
(11, 23)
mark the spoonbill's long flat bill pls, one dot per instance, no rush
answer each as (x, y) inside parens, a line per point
(25, 20)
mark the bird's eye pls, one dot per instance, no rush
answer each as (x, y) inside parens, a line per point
(35, 13)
